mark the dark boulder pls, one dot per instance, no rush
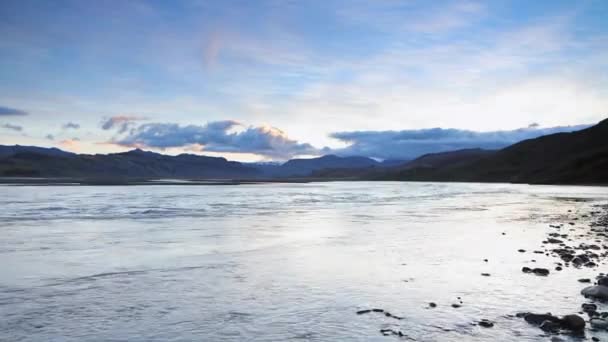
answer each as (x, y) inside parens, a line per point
(541, 271)
(538, 319)
(550, 326)
(598, 292)
(573, 323)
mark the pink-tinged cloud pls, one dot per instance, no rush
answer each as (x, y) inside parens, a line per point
(217, 136)
(72, 145)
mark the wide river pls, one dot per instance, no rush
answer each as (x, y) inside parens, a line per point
(277, 262)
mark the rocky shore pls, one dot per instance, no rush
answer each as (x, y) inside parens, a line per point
(579, 241)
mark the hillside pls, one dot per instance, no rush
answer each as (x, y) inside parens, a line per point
(136, 163)
(564, 158)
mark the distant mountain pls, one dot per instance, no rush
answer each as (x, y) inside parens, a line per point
(7, 151)
(444, 159)
(133, 164)
(427, 161)
(306, 167)
(579, 157)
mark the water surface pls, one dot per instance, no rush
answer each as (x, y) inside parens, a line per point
(275, 262)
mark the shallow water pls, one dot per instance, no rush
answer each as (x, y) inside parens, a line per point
(275, 262)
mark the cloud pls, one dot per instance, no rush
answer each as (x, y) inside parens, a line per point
(7, 111)
(122, 122)
(49, 137)
(409, 144)
(71, 125)
(70, 144)
(217, 136)
(13, 127)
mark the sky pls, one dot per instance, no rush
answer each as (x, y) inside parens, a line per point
(277, 79)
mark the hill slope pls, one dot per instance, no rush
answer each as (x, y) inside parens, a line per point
(133, 164)
(564, 158)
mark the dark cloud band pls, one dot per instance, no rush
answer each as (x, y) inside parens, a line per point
(409, 144)
(8, 111)
(217, 137)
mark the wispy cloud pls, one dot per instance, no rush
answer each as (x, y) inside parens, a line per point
(12, 127)
(8, 111)
(120, 122)
(217, 136)
(70, 125)
(409, 144)
(49, 137)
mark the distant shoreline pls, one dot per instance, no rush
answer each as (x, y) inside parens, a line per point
(68, 181)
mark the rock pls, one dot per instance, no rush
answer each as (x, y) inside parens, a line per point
(553, 240)
(598, 292)
(526, 270)
(521, 250)
(541, 271)
(377, 310)
(485, 323)
(595, 339)
(573, 323)
(538, 319)
(603, 281)
(589, 308)
(598, 323)
(485, 274)
(455, 306)
(550, 326)
(584, 280)
(361, 312)
(558, 268)
(432, 305)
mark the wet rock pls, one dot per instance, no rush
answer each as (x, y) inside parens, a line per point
(595, 339)
(599, 323)
(553, 240)
(485, 323)
(521, 250)
(541, 271)
(377, 310)
(573, 323)
(584, 280)
(589, 308)
(558, 268)
(485, 274)
(603, 281)
(550, 326)
(526, 269)
(432, 305)
(361, 312)
(598, 292)
(456, 306)
(538, 319)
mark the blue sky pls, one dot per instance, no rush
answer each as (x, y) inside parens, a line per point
(294, 78)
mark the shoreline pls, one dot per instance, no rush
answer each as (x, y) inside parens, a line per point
(79, 181)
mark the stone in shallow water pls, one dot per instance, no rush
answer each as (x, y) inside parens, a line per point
(485, 323)
(598, 292)
(589, 308)
(599, 323)
(573, 322)
(550, 326)
(538, 319)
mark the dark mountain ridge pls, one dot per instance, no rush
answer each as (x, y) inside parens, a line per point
(579, 157)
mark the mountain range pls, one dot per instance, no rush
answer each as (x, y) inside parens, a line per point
(579, 157)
